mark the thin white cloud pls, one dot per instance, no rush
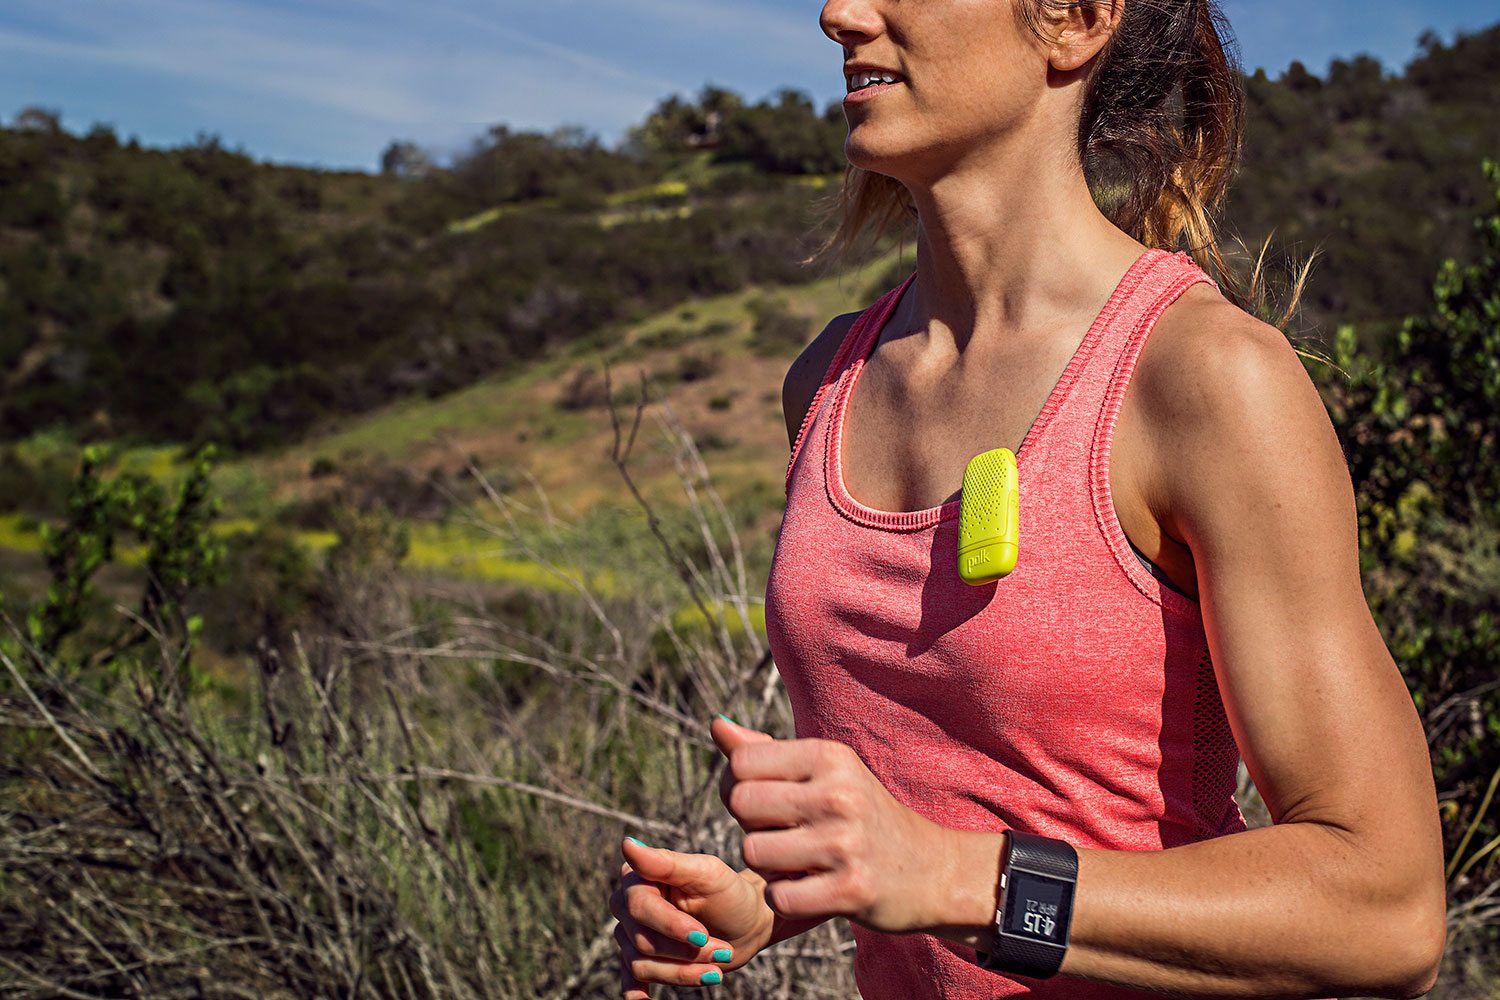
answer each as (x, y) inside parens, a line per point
(771, 30)
(486, 22)
(405, 74)
(435, 72)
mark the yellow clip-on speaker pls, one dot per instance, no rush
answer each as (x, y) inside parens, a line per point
(989, 530)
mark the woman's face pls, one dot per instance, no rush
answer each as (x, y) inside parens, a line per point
(931, 82)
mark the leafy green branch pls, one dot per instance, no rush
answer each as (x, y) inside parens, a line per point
(181, 555)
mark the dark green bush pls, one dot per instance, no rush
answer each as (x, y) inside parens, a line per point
(777, 331)
(1423, 442)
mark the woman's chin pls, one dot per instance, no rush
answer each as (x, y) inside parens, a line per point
(875, 156)
(889, 149)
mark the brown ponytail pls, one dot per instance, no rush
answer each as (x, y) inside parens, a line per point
(1162, 123)
(1159, 135)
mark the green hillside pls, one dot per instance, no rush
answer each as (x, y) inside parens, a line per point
(262, 301)
(1374, 172)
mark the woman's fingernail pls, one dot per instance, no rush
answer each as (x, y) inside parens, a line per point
(697, 939)
(728, 720)
(713, 978)
(639, 843)
(723, 955)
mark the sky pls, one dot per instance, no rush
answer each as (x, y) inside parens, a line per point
(332, 82)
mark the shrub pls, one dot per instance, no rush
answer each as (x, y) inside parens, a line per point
(777, 331)
(695, 365)
(1423, 445)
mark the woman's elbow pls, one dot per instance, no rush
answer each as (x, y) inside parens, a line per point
(1429, 943)
(1387, 936)
(1403, 932)
(1411, 943)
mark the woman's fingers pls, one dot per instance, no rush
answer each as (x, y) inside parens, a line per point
(810, 896)
(777, 805)
(643, 944)
(652, 924)
(695, 874)
(730, 735)
(756, 756)
(768, 804)
(640, 906)
(632, 886)
(673, 974)
(665, 905)
(631, 988)
(636, 970)
(784, 851)
(651, 944)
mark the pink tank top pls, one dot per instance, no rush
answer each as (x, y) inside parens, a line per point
(1073, 698)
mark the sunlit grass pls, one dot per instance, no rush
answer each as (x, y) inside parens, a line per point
(691, 617)
(163, 463)
(20, 533)
(525, 401)
(663, 189)
(609, 220)
(479, 220)
(650, 192)
(468, 552)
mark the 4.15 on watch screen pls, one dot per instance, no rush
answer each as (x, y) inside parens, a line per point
(1036, 907)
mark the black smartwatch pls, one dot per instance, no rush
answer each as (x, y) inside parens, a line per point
(1036, 907)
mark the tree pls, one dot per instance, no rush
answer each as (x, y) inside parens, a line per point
(404, 159)
(677, 125)
(1358, 88)
(181, 556)
(787, 137)
(1298, 79)
(38, 119)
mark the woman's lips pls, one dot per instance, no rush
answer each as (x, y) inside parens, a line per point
(872, 91)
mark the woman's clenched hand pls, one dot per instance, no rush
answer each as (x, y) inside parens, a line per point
(684, 918)
(827, 836)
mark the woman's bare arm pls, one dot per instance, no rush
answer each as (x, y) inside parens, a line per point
(806, 374)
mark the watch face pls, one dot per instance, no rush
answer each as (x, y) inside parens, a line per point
(1036, 907)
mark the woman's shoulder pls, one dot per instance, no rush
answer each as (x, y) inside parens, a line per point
(806, 374)
(1235, 425)
(1208, 364)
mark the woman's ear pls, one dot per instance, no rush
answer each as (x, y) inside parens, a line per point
(1082, 31)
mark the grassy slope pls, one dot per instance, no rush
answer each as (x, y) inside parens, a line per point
(514, 429)
(517, 422)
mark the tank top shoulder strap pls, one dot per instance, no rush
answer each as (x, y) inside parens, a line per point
(857, 344)
(1120, 349)
(1158, 286)
(1147, 288)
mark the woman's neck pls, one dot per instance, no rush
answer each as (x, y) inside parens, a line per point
(1010, 249)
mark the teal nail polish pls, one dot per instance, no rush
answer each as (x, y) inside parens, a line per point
(697, 939)
(723, 955)
(713, 978)
(639, 843)
(728, 719)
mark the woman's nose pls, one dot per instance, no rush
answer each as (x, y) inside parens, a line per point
(850, 22)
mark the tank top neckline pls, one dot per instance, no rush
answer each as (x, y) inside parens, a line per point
(866, 334)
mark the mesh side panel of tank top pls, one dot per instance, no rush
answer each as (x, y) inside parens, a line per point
(1216, 757)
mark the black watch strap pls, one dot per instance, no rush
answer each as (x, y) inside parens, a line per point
(1036, 907)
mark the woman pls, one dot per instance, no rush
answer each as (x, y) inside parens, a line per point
(1187, 588)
